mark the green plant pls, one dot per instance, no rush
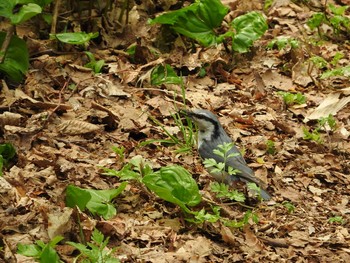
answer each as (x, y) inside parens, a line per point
(40, 251)
(200, 20)
(120, 152)
(333, 16)
(270, 147)
(222, 191)
(291, 98)
(75, 38)
(223, 151)
(185, 142)
(283, 42)
(96, 201)
(25, 10)
(245, 220)
(96, 66)
(174, 184)
(343, 71)
(322, 123)
(336, 219)
(14, 61)
(290, 206)
(329, 120)
(164, 75)
(95, 251)
(312, 136)
(203, 216)
(7, 153)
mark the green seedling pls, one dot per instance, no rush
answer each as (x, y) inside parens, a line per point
(337, 219)
(319, 62)
(220, 167)
(95, 251)
(40, 251)
(290, 206)
(291, 98)
(134, 170)
(283, 43)
(98, 202)
(222, 191)
(120, 151)
(96, 66)
(312, 136)
(334, 17)
(245, 220)
(343, 71)
(7, 153)
(329, 121)
(224, 151)
(201, 20)
(270, 147)
(203, 216)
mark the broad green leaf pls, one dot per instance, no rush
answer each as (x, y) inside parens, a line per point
(76, 196)
(16, 61)
(248, 27)
(77, 38)
(49, 253)
(25, 13)
(96, 201)
(174, 184)
(164, 75)
(30, 250)
(196, 21)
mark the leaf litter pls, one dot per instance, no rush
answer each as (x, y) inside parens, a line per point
(64, 134)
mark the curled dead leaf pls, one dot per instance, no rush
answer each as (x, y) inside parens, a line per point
(76, 127)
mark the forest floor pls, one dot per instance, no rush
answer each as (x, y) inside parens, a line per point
(66, 119)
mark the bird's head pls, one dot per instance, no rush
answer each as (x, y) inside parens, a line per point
(208, 124)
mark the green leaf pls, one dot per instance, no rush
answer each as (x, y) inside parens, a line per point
(164, 75)
(49, 254)
(96, 201)
(204, 216)
(76, 38)
(30, 250)
(344, 71)
(196, 21)
(100, 201)
(174, 184)
(25, 12)
(76, 196)
(248, 27)
(16, 61)
(316, 20)
(338, 10)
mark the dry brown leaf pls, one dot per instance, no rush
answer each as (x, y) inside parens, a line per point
(75, 127)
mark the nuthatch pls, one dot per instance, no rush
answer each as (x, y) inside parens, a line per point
(210, 135)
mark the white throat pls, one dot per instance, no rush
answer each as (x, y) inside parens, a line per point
(205, 133)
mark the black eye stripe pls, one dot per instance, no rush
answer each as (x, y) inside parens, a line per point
(216, 124)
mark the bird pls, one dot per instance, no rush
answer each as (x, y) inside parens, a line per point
(211, 134)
